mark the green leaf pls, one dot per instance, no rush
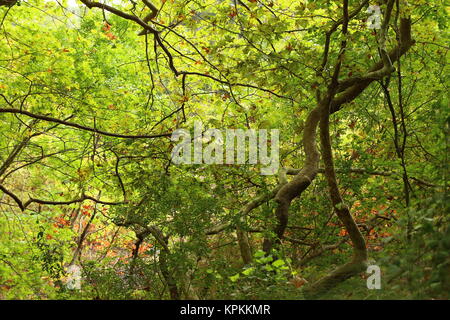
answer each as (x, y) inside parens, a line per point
(278, 263)
(248, 271)
(235, 277)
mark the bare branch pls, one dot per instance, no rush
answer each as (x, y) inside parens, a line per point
(25, 205)
(81, 127)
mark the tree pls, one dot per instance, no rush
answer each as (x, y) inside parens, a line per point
(92, 94)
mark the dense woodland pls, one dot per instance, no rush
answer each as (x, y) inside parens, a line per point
(92, 205)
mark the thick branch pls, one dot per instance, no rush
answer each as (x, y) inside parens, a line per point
(93, 4)
(150, 16)
(352, 87)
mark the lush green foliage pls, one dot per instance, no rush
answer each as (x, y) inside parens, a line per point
(78, 86)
